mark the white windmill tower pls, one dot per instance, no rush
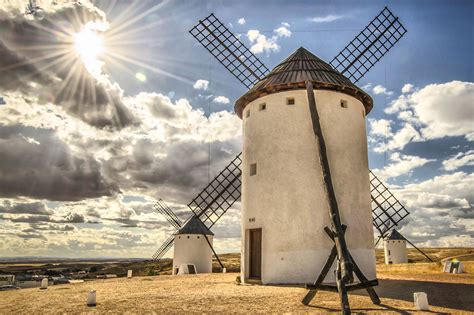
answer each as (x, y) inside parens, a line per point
(284, 195)
(395, 248)
(193, 248)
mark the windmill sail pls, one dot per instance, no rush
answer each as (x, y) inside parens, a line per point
(212, 202)
(387, 211)
(164, 248)
(219, 195)
(172, 218)
(371, 44)
(229, 50)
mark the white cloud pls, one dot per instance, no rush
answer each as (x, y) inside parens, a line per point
(285, 24)
(380, 89)
(260, 43)
(201, 84)
(380, 127)
(442, 110)
(326, 19)
(441, 214)
(263, 44)
(439, 201)
(459, 160)
(221, 100)
(432, 112)
(241, 21)
(390, 141)
(282, 31)
(401, 165)
(407, 88)
(456, 186)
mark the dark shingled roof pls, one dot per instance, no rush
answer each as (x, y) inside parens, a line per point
(194, 226)
(294, 71)
(395, 236)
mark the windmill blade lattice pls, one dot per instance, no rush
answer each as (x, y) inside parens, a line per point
(387, 211)
(229, 50)
(212, 202)
(219, 195)
(164, 248)
(172, 218)
(371, 44)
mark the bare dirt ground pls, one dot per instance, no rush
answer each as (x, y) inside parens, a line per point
(218, 293)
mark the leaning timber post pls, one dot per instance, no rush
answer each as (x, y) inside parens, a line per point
(419, 250)
(212, 248)
(345, 268)
(342, 252)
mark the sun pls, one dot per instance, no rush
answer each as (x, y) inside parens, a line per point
(89, 46)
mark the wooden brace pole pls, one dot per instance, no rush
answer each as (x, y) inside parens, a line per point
(212, 248)
(346, 267)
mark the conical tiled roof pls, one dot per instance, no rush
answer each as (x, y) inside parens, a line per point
(294, 71)
(194, 226)
(395, 236)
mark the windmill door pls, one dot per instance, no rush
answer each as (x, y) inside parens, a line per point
(255, 242)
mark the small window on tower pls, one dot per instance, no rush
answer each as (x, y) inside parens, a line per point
(290, 101)
(253, 169)
(389, 252)
(248, 113)
(262, 106)
(343, 104)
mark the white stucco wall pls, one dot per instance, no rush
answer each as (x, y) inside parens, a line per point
(193, 249)
(286, 197)
(395, 251)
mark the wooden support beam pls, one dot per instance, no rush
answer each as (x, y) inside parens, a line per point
(342, 290)
(312, 292)
(418, 249)
(342, 252)
(313, 289)
(212, 248)
(350, 287)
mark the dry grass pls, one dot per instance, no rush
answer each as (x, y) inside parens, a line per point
(437, 254)
(218, 293)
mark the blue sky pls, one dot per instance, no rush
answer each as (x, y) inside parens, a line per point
(438, 48)
(159, 108)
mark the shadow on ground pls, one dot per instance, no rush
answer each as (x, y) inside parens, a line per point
(451, 295)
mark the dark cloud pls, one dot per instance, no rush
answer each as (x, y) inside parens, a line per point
(179, 175)
(34, 219)
(41, 52)
(52, 227)
(31, 219)
(93, 213)
(24, 208)
(15, 69)
(31, 234)
(463, 213)
(36, 163)
(73, 218)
